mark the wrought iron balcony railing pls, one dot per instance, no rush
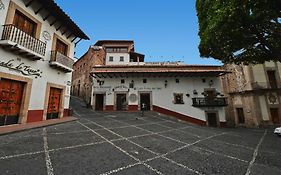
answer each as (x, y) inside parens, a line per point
(61, 61)
(20, 40)
(209, 102)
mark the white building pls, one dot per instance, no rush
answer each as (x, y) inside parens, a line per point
(188, 92)
(36, 49)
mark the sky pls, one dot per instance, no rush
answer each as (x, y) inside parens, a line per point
(163, 30)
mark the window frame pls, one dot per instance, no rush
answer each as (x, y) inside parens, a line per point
(178, 100)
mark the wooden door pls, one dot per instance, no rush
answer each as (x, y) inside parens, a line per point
(212, 119)
(61, 47)
(99, 102)
(121, 102)
(25, 24)
(11, 93)
(54, 103)
(145, 99)
(274, 115)
(240, 114)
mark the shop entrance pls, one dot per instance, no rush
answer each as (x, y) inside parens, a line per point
(121, 102)
(145, 99)
(11, 93)
(54, 103)
(212, 119)
(99, 102)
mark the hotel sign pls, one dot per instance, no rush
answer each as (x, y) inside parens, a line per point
(23, 68)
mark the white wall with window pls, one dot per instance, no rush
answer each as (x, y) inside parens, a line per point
(174, 94)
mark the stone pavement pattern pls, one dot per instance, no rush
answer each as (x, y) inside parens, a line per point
(118, 143)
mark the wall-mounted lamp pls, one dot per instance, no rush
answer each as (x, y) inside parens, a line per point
(166, 83)
(195, 92)
(211, 82)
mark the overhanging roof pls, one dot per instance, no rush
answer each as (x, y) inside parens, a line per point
(157, 71)
(53, 8)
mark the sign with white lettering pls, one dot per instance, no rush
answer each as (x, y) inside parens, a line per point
(22, 68)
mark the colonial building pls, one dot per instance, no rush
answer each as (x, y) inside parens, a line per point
(120, 80)
(101, 53)
(36, 49)
(254, 94)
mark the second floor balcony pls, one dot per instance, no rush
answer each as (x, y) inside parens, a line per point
(17, 41)
(264, 85)
(209, 102)
(60, 61)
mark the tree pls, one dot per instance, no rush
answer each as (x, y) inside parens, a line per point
(240, 31)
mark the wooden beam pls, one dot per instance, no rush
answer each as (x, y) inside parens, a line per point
(39, 10)
(59, 27)
(46, 17)
(64, 32)
(69, 35)
(29, 3)
(78, 41)
(51, 24)
(74, 39)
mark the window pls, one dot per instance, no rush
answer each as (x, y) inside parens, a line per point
(61, 47)
(272, 79)
(122, 81)
(178, 98)
(24, 23)
(177, 81)
(144, 81)
(240, 114)
(111, 59)
(121, 59)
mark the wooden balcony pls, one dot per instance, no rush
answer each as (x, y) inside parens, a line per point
(19, 42)
(209, 102)
(61, 61)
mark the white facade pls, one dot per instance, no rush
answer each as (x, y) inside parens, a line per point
(40, 74)
(161, 92)
(117, 58)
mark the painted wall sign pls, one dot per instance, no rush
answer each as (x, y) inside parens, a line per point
(22, 68)
(47, 35)
(2, 5)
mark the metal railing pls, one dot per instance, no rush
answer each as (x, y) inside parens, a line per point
(62, 59)
(209, 102)
(14, 34)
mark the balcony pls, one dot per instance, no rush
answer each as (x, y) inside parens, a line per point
(209, 102)
(19, 42)
(264, 85)
(61, 61)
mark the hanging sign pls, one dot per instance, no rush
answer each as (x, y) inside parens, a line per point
(22, 68)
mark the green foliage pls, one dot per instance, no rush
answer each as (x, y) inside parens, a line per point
(240, 31)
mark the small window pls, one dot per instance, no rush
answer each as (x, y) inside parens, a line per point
(178, 98)
(121, 59)
(144, 81)
(177, 81)
(111, 59)
(122, 81)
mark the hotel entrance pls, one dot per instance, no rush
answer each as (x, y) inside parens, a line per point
(11, 93)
